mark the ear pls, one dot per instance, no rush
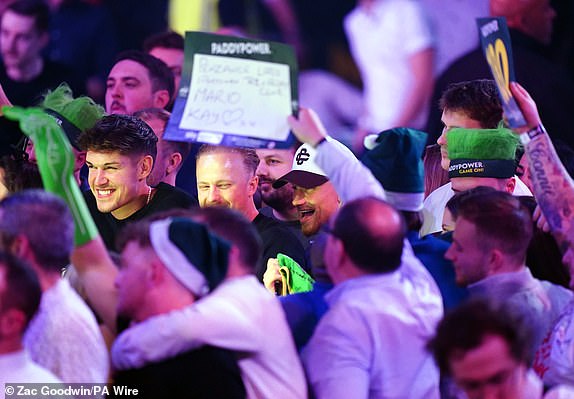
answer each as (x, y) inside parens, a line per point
(161, 99)
(81, 157)
(155, 274)
(337, 254)
(252, 185)
(20, 247)
(175, 160)
(145, 166)
(510, 184)
(496, 261)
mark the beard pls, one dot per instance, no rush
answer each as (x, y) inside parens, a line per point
(279, 199)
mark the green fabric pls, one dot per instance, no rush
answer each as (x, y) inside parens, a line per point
(56, 164)
(295, 279)
(481, 143)
(82, 112)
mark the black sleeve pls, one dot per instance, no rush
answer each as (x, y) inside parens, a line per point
(279, 239)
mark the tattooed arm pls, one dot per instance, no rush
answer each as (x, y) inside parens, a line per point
(553, 187)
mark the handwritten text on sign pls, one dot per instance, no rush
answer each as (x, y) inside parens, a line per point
(241, 96)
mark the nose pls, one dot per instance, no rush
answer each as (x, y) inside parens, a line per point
(262, 169)
(213, 195)
(298, 196)
(442, 138)
(448, 254)
(100, 178)
(115, 90)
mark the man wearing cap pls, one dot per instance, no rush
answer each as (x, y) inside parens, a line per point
(161, 272)
(395, 159)
(349, 179)
(314, 196)
(226, 176)
(471, 104)
(482, 157)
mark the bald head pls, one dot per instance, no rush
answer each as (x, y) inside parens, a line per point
(372, 233)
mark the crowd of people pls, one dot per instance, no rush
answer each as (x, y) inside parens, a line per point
(381, 266)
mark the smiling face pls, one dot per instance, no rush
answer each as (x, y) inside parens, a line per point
(223, 180)
(129, 89)
(118, 181)
(315, 206)
(452, 119)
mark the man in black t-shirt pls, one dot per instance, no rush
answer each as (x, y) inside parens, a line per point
(226, 177)
(25, 75)
(120, 154)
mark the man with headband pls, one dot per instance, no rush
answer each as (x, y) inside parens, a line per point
(166, 266)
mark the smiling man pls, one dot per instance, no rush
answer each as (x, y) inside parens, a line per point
(137, 81)
(315, 197)
(120, 154)
(226, 177)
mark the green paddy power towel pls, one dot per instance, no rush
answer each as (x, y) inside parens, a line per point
(293, 278)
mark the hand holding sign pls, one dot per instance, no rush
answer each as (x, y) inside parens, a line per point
(235, 91)
(495, 42)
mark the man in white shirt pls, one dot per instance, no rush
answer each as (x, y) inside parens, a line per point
(64, 335)
(377, 305)
(470, 105)
(20, 296)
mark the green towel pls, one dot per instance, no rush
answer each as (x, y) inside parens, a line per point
(294, 278)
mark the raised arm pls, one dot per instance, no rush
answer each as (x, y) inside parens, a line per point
(55, 160)
(349, 176)
(553, 187)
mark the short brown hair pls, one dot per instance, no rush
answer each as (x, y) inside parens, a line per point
(249, 156)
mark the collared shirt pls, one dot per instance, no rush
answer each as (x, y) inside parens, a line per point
(435, 203)
(539, 302)
(371, 342)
